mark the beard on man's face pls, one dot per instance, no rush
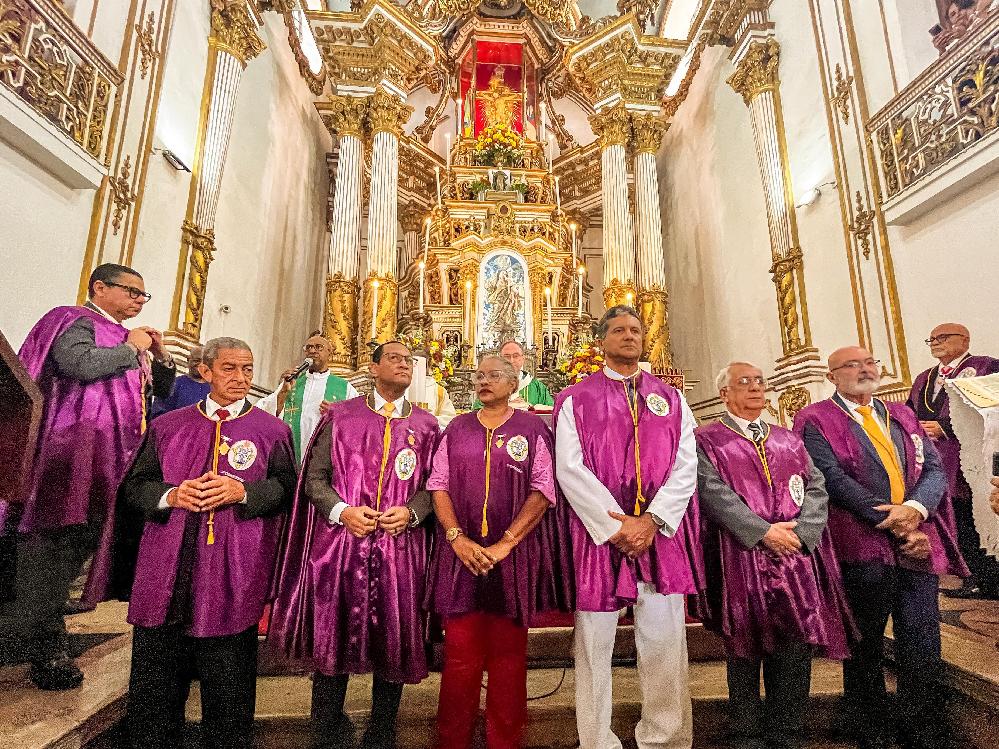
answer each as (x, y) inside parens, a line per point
(862, 387)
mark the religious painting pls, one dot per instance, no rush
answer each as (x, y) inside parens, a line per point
(505, 299)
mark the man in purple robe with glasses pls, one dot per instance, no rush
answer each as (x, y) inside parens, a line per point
(97, 377)
(774, 591)
(627, 463)
(213, 482)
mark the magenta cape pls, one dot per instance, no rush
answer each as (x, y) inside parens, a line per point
(758, 600)
(856, 541)
(928, 408)
(527, 582)
(607, 580)
(349, 605)
(232, 578)
(90, 434)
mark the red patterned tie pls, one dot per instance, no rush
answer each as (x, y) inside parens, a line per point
(222, 414)
(945, 371)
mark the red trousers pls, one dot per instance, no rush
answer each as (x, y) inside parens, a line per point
(474, 643)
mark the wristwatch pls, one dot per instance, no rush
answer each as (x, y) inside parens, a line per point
(657, 520)
(453, 533)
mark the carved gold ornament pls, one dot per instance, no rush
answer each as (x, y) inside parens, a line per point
(612, 126)
(616, 293)
(387, 113)
(652, 310)
(122, 194)
(648, 130)
(340, 319)
(344, 115)
(756, 72)
(862, 226)
(146, 37)
(790, 402)
(201, 247)
(841, 98)
(234, 29)
(783, 273)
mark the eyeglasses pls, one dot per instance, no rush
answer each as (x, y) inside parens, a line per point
(941, 338)
(747, 381)
(397, 358)
(495, 376)
(857, 365)
(313, 347)
(132, 291)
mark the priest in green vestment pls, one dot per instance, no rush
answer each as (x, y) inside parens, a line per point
(301, 400)
(532, 392)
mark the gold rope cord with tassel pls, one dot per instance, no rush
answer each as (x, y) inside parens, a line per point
(386, 443)
(485, 503)
(633, 408)
(215, 469)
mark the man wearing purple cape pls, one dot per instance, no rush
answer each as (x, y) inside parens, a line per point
(213, 482)
(774, 592)
(352, 573)
(96, 376)
(627, 463)
(886, 484)
(929, 399)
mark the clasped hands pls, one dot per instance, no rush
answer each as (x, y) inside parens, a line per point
(636, 534)
(903, 522)
(207, 492)
(363, 521)
(480, 559)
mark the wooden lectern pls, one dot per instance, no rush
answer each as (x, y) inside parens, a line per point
(20, 416)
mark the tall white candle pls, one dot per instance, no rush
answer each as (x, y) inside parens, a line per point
(426, 238)
(548, 153)
(629, 299)
(558, 194)
(572, 228)
(579, 290)
(374, 309)
(447, 148)
(548, 303)
(437, 172)
(423, 270)
(457, 117)
(468, 312)
(544, 123)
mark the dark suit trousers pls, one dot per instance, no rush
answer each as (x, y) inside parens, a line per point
(164, 662)
(875, 592)
(787, 677)
(330, 725)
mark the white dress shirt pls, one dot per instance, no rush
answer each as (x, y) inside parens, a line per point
(955, 368)
(591, 500)
(312, 398)
(380, 402)
(859, 418)
(743, 424)
(211, 410)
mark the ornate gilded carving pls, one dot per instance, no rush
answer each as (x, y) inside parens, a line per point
(790, 402)
(146, 38)
(633, 67)
(315, 81)
(340, 319)
(442, 79)
(617, 292)
(386, 314)
(386, 113)
(783, 272)
(672, 103)
(344, 115)
(653, 310)
(841, 98)
(201, 249)
(648, 130)
(757, 72)
(234, 29)
(122, 194)
(863, 226)
(948, 109)
(54, 68)
(612, 126)
(557, 87)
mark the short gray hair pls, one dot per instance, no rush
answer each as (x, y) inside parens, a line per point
(508, 341)
(215, 345)
(721, 381)
(505, 366)
(619, 310)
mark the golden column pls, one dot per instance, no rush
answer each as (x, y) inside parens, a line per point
(613, 128)
(232, 43)
(652, 298)
(756, 79)
(344, 116)
(386, 115)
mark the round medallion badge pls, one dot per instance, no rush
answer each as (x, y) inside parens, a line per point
(241, 455)
(796, 485)
(657, 404)
(405, 464)
(517, 448)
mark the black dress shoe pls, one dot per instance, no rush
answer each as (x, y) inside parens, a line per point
(969, 589)
(335, 735)
(57, 674)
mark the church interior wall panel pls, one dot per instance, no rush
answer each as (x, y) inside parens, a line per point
(909, 23)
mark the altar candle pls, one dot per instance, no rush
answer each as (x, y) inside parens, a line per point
(558, 194)
(457, 117)
(572, 228)
(579, 290)
(548, 303)
(447, 148)
(548, 153)
(437, 171)
(543, 125)
(426, 238)
(468, 311)
(423, 268)
(629, 299)
(374, 309)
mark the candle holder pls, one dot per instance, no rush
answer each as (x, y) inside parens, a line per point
(580, 331)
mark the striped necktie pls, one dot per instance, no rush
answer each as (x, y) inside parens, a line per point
(886, 452)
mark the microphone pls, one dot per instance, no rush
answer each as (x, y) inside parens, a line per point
(306, 363)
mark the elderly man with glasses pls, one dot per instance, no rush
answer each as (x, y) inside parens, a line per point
(97, 377)
(302, 397)
(929, 399)
(885, 483)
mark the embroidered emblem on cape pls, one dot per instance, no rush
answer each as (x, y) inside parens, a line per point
(917, 442)
(241, 455)
(657, 404)
(517, 448)
(411, 439)
(968, 372)
(405, 464)
(796, 485)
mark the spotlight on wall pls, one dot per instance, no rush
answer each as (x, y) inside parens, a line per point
(814, 194)
(173, 159)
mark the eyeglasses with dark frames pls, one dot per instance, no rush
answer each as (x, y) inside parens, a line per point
(941, 338)
(858, 365)
(133, 292)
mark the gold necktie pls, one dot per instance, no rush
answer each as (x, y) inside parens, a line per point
(886, 451)
(388, 409)
(385, 411)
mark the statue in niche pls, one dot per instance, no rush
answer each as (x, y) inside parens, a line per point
(504, 299)
(499, 179)
(499, 101)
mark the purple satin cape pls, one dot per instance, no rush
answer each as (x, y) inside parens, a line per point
(531, 579)
(606, 580)
(347, 605)
(89, 435)
(854, 540)
(232, 578)
(757, 600)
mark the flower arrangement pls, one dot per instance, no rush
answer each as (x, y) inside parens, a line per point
(581, 364)
(499, 145)
(440, 357)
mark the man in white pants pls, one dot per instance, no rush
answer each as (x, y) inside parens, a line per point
(627, 462)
